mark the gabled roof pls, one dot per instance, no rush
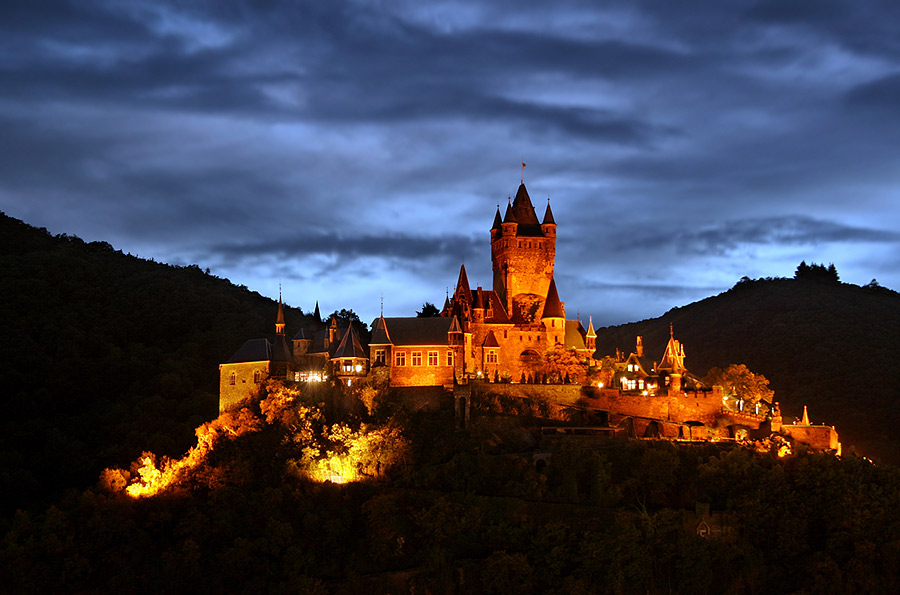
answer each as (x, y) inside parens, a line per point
(419, 331)
(253, 350)
(490, 340)
(552, 306)
(350, 345)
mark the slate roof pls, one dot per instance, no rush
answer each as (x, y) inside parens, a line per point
(253, 350)
(350, 345)
(416, 331)
(548, 216)
(553, 307)
(524, 214)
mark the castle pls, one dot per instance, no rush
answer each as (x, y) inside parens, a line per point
(507, 335)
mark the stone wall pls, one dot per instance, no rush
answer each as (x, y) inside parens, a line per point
(562, 394)
(244, 386)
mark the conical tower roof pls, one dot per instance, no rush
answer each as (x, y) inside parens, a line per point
(509, 216)
(548, 215)
(463, 289)
(497, 220)
(522, 207)
(553, 307)
(350, 345)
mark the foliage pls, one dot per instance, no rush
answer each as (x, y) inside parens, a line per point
(345, 317)
(428, 310)
(816, 272)
(738, 382)
(561, 363)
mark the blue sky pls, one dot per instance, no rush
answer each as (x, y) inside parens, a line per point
(354, 150)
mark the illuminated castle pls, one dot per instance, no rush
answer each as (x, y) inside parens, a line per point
(499, 333)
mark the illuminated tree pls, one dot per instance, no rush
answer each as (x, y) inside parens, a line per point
(739, 382)
(560, 362)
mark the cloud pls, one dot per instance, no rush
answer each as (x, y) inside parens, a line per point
(725, 238)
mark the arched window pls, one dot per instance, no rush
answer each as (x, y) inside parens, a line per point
(232, 379)
(256, 376)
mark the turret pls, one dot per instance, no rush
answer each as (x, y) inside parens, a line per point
(548, 225)
(509, 226)
(497, 227)
(591, 337)
(554, 315)
(478, 306)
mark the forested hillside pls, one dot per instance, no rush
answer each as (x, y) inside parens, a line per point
(829, 345)
(105, 355)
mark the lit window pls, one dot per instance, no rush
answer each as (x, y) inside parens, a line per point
(400, 358)
(432, 358)
(417, 358)
(492, 357)
(379, 356)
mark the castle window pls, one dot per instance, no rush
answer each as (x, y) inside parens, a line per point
(400, 358)
(233, 379)
(492, 357)
(449, 357)
(432, 358)
(256, 375)
(505, 333)
(417, 358)
(379, 357)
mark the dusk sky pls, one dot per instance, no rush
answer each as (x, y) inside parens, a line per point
(350, 150)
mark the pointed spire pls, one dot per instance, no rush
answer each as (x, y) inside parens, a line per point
(447, 301)
(805, 420)
(548, 215)
(522, 207)
(316, 314)
(591, 333)
(497, 220)
(279, 319)
(463, 289)
(553, 307)
(509, 216)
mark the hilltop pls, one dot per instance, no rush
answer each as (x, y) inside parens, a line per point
(105, 354)
(828, 345)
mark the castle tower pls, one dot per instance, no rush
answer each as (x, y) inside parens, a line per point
(281, 353)
(523, 253)
(591, 338)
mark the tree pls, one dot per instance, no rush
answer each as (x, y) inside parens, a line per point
(740, 383)
(560, 362)
(428, 310)
(345, 317)
(817, 272)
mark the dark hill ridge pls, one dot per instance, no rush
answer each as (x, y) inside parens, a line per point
(105, 354)
(832, 346)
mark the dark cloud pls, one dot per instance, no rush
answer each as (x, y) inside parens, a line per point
(327, 137)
